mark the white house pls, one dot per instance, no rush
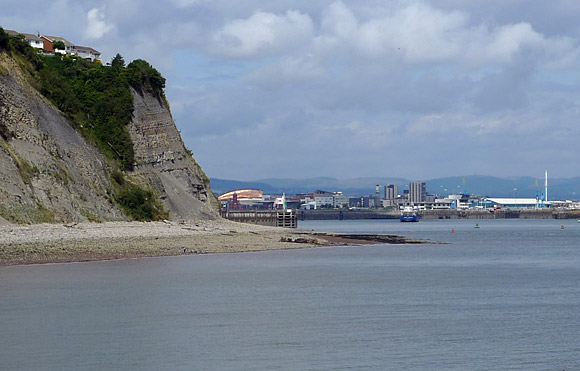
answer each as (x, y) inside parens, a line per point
(31, 39)
(86, 52)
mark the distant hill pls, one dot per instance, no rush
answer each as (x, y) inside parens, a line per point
(562, 188)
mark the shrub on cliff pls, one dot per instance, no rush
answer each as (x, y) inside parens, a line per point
(25, 54)
(99, 103)
(4, 40)
(142, 76)
(136, 202)
(96, 98)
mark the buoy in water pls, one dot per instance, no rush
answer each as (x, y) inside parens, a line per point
(562, 227)
(453, 230)
(476, 225)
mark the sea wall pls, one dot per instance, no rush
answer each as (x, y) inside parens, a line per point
(346, 214)
(438, 214)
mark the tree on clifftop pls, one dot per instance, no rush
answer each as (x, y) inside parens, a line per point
(142, 76)
(118, 61)
(58, 45)
(4, 40)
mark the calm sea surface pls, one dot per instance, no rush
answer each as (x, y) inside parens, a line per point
(505, 296)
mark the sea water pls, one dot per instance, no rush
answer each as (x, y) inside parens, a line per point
(503, 296)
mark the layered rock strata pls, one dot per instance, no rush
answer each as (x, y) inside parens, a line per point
(162, 159)
(50, 173)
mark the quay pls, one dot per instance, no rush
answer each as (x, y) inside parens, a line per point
(276, 218)
(439, 214)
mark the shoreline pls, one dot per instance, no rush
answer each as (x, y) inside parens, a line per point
(82, 242)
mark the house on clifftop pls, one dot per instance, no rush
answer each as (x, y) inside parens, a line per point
(86, 52)
(35, 41)
(45, 42)
(50, 40)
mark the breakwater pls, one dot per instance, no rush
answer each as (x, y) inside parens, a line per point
(438, 214)
(347, 214)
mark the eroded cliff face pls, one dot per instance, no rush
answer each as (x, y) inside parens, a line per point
(48, 172)
(163, 162)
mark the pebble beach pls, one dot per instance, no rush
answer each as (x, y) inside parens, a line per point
(56, 243)
(77, 242)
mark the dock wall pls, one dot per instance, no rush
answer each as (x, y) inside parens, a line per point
(274, 218)
(438, 214)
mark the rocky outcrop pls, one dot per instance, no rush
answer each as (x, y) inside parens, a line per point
(163, 161)
(48, 172)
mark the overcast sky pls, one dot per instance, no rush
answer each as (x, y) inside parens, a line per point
(302, 88)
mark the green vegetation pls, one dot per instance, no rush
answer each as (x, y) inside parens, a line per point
(97, 100)
(91, 217)
(136, 202)
(28, 215)
(142, 76)
(25, 169)
(61, 174)
(4, 40)
(58, 45)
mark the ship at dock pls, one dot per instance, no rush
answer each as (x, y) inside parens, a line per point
(409, 214)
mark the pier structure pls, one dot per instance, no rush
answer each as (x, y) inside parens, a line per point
(275, 218)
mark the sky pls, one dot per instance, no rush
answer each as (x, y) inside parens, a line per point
(389, 88)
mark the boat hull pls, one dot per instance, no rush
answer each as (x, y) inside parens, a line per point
(410, 218)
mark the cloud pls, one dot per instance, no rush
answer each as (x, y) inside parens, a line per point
(186, 3)
(96, 27)
(419, 33)
(349, 84)
(262, 34)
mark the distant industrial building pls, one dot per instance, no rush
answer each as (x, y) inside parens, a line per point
(245, 199)
(241, 194)
(363, 201)
(391, 192)
(439, 204)
(323, 199)
(510, 203)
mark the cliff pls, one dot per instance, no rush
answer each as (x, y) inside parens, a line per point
(49, 172)
(163, 161)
